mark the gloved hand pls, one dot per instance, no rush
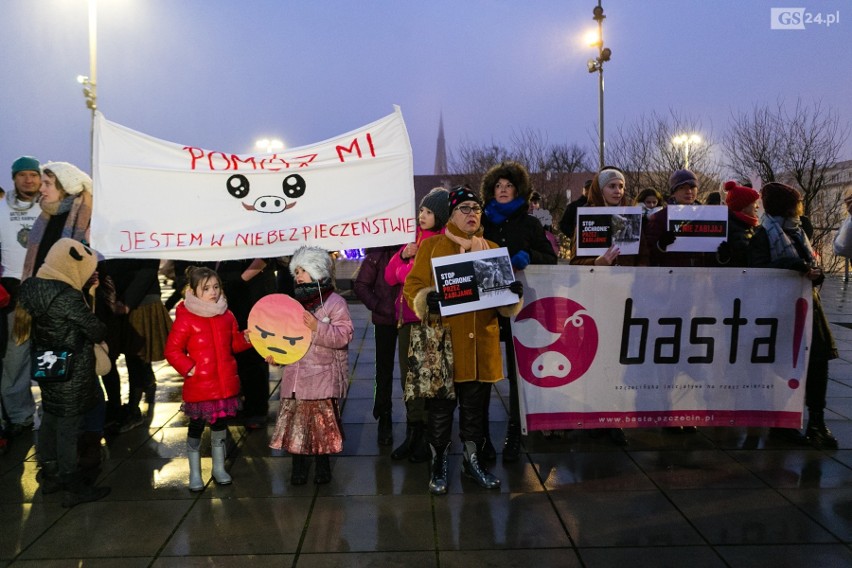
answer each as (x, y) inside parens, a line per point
(433, 301)
(520, 260)
(724, 252)
(517, 287)
(665, 240)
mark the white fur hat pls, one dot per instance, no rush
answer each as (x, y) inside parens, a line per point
(72, 179)
(313, 260)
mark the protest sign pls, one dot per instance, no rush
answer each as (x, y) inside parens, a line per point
(474, 281)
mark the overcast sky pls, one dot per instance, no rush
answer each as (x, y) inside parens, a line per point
(221, 75)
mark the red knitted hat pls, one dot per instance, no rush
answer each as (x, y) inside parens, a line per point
(738, 197)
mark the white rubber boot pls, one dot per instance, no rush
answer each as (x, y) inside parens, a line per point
(194, 455)
(217, 449)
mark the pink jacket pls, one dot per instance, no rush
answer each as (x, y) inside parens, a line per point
(396, 271)
(324, 370)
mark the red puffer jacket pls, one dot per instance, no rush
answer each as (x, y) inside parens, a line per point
(208, 344)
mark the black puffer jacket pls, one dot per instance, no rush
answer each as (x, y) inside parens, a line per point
(62, 320)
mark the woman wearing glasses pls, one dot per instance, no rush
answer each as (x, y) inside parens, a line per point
(476, 343)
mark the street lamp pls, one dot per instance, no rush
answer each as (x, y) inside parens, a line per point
(269, 145)
(686, 141)
(596, 65)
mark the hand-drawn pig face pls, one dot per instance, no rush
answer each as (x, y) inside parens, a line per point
(556, 341)
(293, 187)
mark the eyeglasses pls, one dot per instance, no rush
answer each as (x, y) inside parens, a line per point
(467, 209)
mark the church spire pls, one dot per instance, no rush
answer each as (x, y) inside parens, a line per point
(441, 150)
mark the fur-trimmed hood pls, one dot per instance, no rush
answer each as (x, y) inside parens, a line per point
(512, 171)
(313, 260)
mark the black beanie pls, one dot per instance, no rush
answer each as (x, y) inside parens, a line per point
(779, 200)
(438, 202)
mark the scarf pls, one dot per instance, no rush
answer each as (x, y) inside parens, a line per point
(499, 212)
(314, 293)
(782, 232)
(747, 219)
(468, 243)
(204, 309)
(76, 226)
(16, 204)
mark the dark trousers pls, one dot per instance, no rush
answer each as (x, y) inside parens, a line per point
(57, 443)
(471, 398)
(816, 384)
(254, 383)
(385, 353)
(197, 425)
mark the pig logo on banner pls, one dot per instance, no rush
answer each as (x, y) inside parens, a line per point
(292, 187)
(555, 342)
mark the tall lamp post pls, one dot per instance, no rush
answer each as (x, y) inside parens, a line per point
(686, 140)
(596, 65)
(90, 82)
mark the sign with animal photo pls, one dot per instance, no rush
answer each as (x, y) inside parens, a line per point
(599, 228)
(158, 199)
(474, 280)
(697, 228)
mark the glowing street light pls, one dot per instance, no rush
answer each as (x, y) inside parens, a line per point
(269, 145)
(596, 65)
(686, 141)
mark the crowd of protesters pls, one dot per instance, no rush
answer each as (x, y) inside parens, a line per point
(79, 304)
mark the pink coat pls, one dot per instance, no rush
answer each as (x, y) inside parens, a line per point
(324, 370)
(396, 272)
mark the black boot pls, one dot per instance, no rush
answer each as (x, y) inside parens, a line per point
(420, 451)
(80, 492)
(485, 450)
(385, 436)
(818, 433)
(299, 476)
(404, 449)
(438, 479)
(512, 445)
(472, 468)
(323, 474)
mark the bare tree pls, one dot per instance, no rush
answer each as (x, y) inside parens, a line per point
(646, 152)
(798, 146)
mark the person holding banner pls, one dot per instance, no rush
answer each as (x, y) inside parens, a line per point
(431, 220)
(742, 219)
(506, 192)
(476, 343)
(650, 200)
(656, 237)
(781, 242)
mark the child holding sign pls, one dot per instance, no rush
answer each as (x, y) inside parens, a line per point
(201, 347)
(312, 387)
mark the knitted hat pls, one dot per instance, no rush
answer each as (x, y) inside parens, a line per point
(739, 197)
(607, 175)
(437, 201)
(72, 179)
(69, 261)
(682, 177)
(25, 164)
(779, 200)
(313, 260)
(460, 194)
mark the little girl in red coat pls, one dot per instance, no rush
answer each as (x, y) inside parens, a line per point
(201, 348)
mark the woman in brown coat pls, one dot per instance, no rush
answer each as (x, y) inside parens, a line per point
(477, 362)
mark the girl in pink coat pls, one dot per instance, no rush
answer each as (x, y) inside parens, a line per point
(201, 347)
(431, 220)
(312, 387)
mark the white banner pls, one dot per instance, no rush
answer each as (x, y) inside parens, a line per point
(649, 347)
(158, 199)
